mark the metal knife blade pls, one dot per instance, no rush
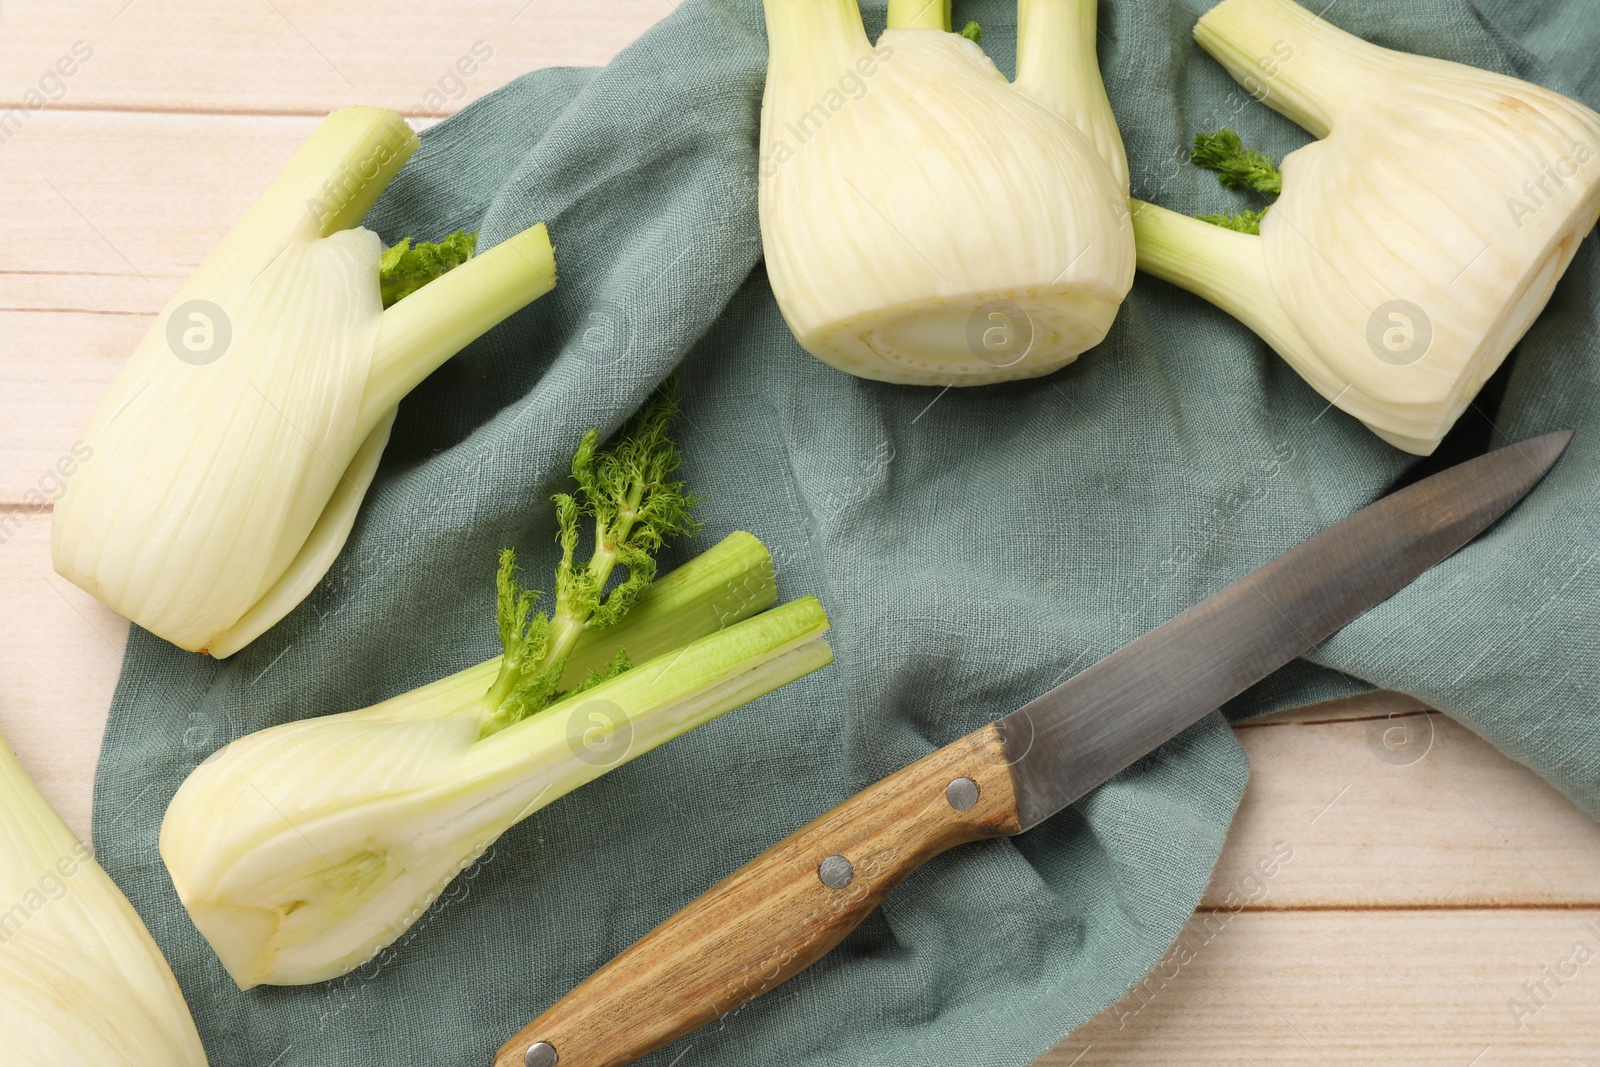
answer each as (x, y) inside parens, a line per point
(1087, 729)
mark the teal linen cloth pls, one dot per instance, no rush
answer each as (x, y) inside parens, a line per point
(973, 547)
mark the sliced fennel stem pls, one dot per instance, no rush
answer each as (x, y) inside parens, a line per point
(371, 163)
(1058, 64)
(419, 333)
(727, 583)
(695, 683)
(724, 585)
(919, 14)
(820, 37)
(1291, 60)
(331, 182)
(1223, 266)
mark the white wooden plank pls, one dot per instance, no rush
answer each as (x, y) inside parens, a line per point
(54, 367)
(133, 197)
(298, 56)
(101, 217)
(1448, 988)
(60, 653)
(1448, 821)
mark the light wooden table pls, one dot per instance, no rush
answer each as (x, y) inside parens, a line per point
(1419, 906)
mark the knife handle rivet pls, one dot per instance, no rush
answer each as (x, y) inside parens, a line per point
(961, 793)
(835, 872)
(541, 1054)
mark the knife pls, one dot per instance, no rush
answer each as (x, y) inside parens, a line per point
(786, 908)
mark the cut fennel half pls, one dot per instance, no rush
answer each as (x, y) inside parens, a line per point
(303, 850)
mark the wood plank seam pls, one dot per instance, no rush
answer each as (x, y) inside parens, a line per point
(76, 311)
(1336, 720)
(190, 111)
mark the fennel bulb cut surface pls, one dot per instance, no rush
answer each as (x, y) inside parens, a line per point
(81, 982)
(1417, 240)
(303, 850)
(926, 221)
(229, 456)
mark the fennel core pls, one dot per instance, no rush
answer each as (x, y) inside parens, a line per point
(627, 493)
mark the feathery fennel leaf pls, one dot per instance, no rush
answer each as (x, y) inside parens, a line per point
(617, 666)
(627, 491)
(1237, 167)
(1243, 222)
(527, 681)
(405, 268)
(626, 495)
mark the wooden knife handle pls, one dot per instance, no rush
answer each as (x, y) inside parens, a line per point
(777, 914)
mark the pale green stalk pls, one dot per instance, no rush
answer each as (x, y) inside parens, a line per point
(729, 582)
(811, 43)
(1296, 62)
(1057, 63)
(1222, 266)
(419, 333)
(919, 14)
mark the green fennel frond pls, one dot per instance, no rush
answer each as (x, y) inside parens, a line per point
(1237, 167)
(405, 268)
(626, 494)
(1243, 222)
(618, 665)
(972, 32)
(512, 604)
(527, 682)
(627, 491)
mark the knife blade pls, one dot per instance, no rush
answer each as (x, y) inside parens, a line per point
(786, 908)
(1087, 729)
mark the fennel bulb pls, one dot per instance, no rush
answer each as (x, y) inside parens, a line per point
(1414, 243)
(232, 451)
(303, 850)
(81, 982)
(926, 221)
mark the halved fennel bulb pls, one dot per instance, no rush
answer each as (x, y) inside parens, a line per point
(303, 850)
(229, 456)
(81, 982)
(1415, 242)
(926, 221)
